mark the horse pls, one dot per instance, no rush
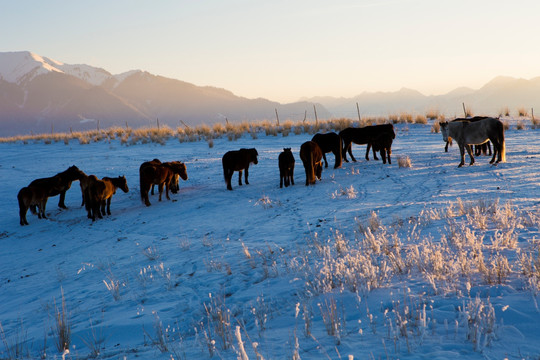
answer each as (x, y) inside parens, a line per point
(99, 194)
(286, 167)
(174, 185)
(159, 174)
(238, 160)
(311, 156)
(476, 133)
(363, 135)
(32, 196)
(58, 184)
(383, 144)
(330, 142)
(478, 148)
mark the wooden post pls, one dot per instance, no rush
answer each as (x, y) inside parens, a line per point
(52, 129)
(358, 110)
(98, 125)
(277, 116)
(532, 115)
(316, 118)
(127, 127)
(157, 121)
(305, 116)
(226, 121)
(464, 111)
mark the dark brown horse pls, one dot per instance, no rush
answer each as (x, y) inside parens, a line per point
(159, 174)
(286, 167)
(330, 142)
(363, 135)
(311, 156)
(99, 194)
(58, 184)
(32, 196)
(383, 144)
(174, 185)
(238, 160)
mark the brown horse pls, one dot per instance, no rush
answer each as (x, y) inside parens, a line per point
(330, 142)
(32, 196)
(58, 184)
(238, 160)
(159, 174)
(174, 185)
(363, 135)
(475, 133)
(311, 156)
(286, 167)
(383, 144)
(99, 194)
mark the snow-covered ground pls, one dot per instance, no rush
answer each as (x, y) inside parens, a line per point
(357, 265)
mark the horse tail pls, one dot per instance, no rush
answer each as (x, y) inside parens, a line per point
(142, 184)
(501, 139)
(22, 205)
(311, 167)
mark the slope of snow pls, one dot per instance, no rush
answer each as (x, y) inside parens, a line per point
(243, 254)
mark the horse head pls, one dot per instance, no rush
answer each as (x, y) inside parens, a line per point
(179, 168)
(75, 173)
(253, 154)
(122, 183)
(444, 130)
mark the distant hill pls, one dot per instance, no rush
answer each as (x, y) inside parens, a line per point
(490, 99)
(38, 94)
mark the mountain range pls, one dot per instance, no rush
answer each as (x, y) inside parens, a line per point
(38, 94)
(491, 99)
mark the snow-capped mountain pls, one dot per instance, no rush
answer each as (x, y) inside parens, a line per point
(23, 66)
(39, 94)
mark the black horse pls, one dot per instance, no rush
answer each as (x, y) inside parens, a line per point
(286, 167)
(383, 144)
(330, 142)
(238, 160)
(363, 135)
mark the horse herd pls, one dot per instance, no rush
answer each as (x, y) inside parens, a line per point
(97, 193)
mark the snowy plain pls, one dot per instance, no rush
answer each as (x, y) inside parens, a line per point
(260, 256)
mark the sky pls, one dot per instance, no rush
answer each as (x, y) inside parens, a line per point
(285, 50)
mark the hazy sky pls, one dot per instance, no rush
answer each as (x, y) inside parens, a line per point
(287, 49)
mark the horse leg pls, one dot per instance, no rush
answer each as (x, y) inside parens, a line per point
(470, 152)
(240, 177)
(43, 205)
(109, 206)
(325, 162)
(246, 173)
(61, 200)
(344, 151)
(462, 154)
(160, 188)
(350, 152)
(228, 178)
(291, 175)
(22, 214)
(281, 181)
(383, 155)
(446, 146)
(496, 151)
(167, 190)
